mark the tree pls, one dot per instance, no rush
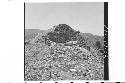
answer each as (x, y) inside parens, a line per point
(62, 34)
(98, 44)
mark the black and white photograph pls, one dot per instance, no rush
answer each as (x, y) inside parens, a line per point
(62, 41)
(65, 41)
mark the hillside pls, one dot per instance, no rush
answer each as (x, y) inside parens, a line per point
(31, 33)
(62, 53)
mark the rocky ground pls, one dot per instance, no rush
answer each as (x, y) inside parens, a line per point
(64, 54)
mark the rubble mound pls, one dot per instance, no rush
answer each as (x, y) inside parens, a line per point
(63, 54)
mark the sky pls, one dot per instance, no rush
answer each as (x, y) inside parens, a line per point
(87, 17)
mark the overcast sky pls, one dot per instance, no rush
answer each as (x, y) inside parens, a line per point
(87, 17)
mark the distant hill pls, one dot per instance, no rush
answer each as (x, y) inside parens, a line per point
(31, 33)
(90, 38)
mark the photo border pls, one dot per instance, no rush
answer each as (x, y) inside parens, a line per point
(106, 66)
(24, 41)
